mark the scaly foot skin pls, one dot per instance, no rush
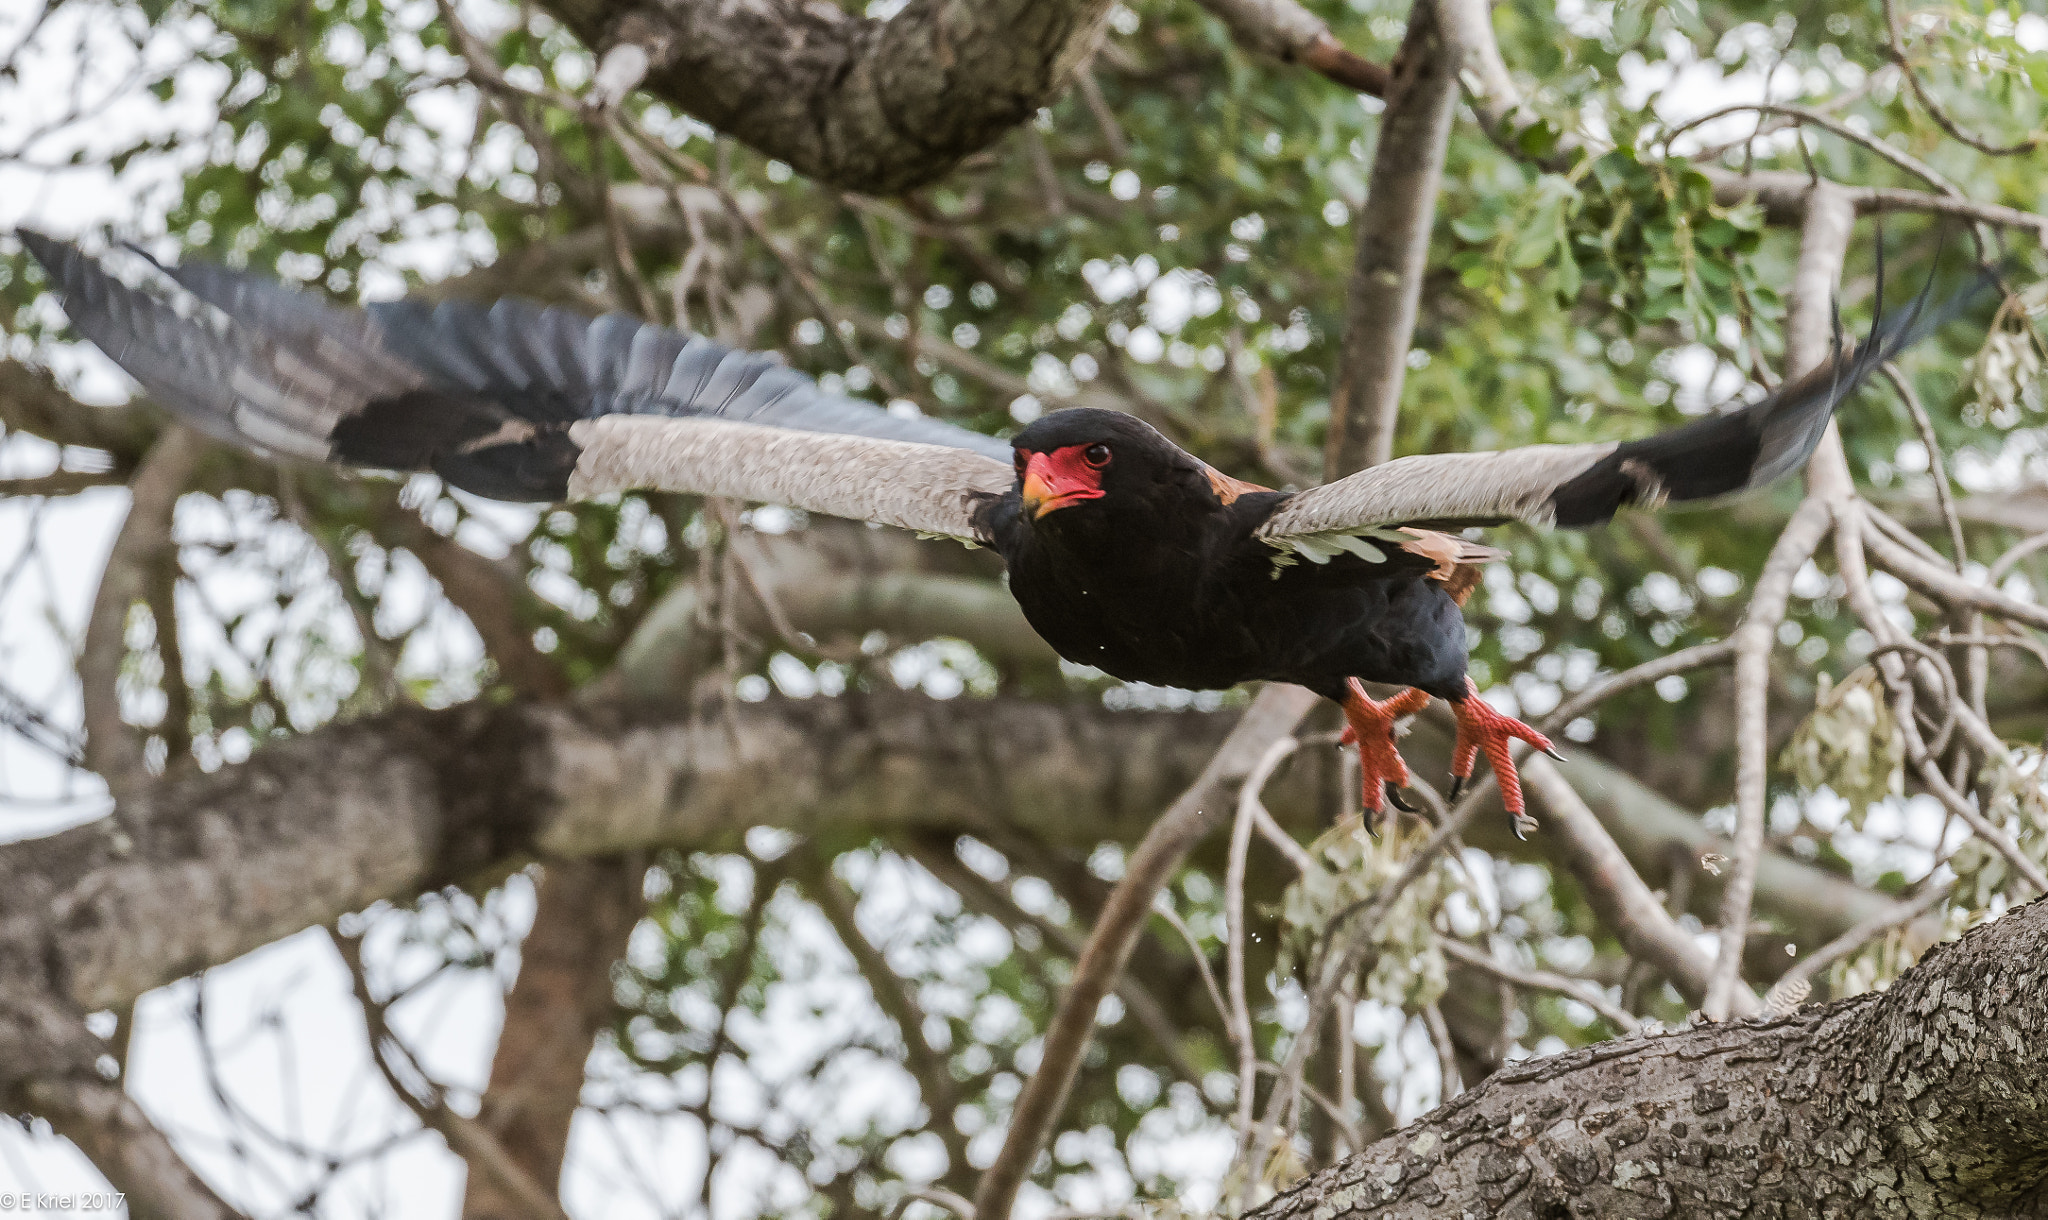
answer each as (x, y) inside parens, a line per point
(1482, 728)
(1372, 728)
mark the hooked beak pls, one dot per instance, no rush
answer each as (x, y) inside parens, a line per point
(1058, 480)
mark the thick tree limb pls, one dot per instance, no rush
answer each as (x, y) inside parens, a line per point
(1920, 1101)
(200, 870)
(874, 105)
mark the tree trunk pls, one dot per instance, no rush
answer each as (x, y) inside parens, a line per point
(1926, 1100)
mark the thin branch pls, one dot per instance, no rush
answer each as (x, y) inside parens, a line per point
(2005, 563)
(112, 747)
(1802, 974)
(1172, 917)
(1699, 656)
(1824, 243)
(466, 1137)
(1452, 1082)
(1530, 979)
(1935, 110)
(1936, 465)
(1617, 893)
(1234, 918)
(58, 483)
(892, 992)
(1849, 543)
(1272, 715)
(1354, 929)
(1290, 33)
(120, 1140)
(1833, 126)
(1949, 589)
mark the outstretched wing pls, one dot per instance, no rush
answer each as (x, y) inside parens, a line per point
(516, 401)
(1581, 485)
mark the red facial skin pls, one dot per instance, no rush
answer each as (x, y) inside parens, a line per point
(1061, 478)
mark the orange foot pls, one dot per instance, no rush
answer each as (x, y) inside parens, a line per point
(1372, 728)
(1482, 728)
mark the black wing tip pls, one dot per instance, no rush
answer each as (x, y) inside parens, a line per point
(1765, 440)
(56, 255)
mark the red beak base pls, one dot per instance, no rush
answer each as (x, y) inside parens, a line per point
(1059, 479)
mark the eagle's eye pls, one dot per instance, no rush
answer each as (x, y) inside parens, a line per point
(1022, 460)
(1096, 455)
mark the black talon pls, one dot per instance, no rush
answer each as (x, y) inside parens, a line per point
(1457, 786)
(1517, 824)
(1394, 797)
(1552, 751)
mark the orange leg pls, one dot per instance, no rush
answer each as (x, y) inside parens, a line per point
(1372, 729)
(1482, 728)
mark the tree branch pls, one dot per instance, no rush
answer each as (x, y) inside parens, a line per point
(112, 747)
(1617, 892)
(1198, 811)
(585, 911)
(1824, 243)
(1393, 230)
(1917, 1101)
(873, 105)
(391, 805)
(1291, 34)
(120, 1140)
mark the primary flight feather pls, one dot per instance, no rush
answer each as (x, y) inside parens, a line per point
(1124, 551)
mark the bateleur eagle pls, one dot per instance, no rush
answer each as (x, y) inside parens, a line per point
(1125, 552)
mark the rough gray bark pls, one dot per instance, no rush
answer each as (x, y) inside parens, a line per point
(1926, 1100)
(196, 872)
(880, 106)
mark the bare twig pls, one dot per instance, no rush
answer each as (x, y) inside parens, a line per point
(1855, 938)
(118, 1137)
(2004, 564)
(1935, 110)
(427, 1100)
(1453, 1083)
(1233, 913)
(1530, 979)
(1699, 656)
(1935, 464)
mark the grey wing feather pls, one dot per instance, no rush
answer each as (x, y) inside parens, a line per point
(1579, 485)
(487, 397)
